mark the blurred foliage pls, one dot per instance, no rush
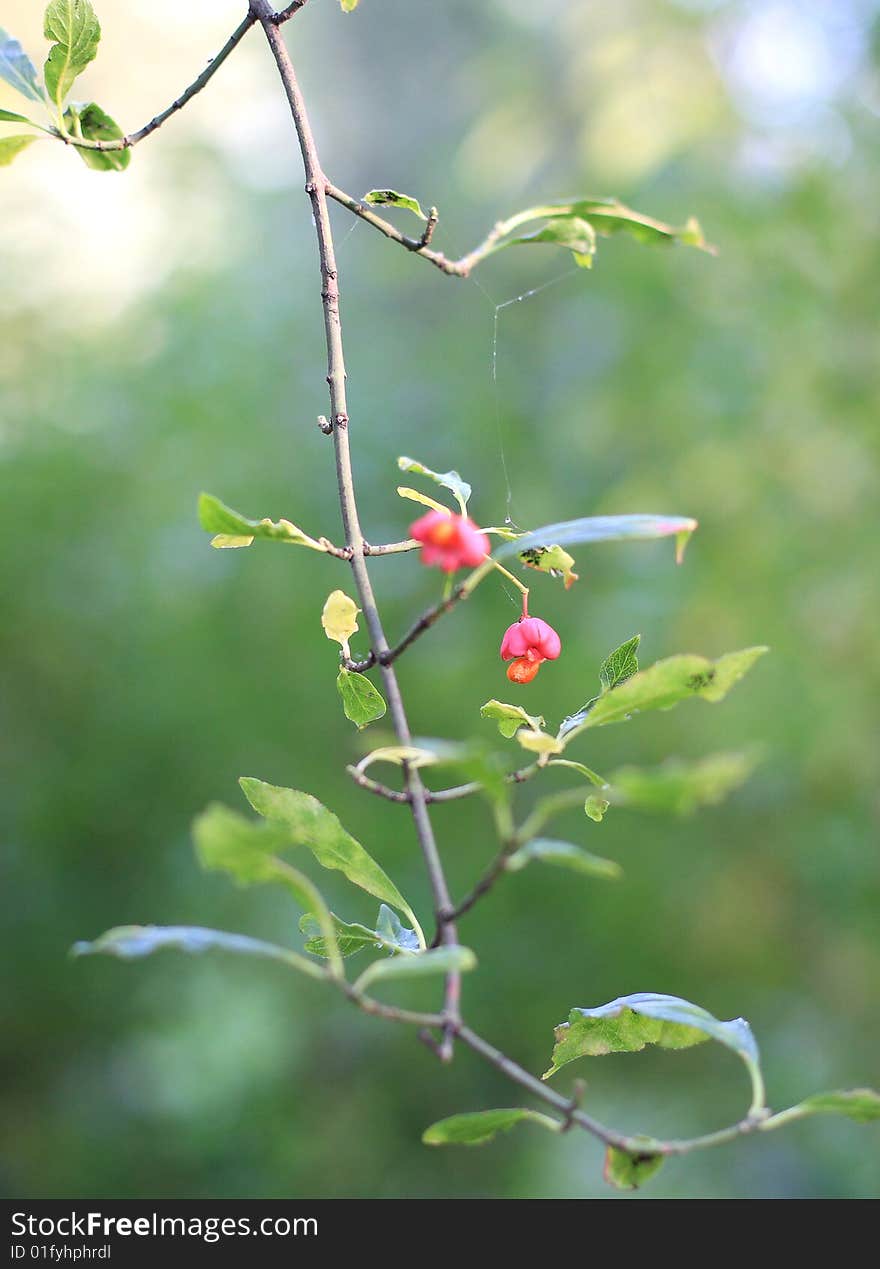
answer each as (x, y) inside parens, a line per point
(164, 338)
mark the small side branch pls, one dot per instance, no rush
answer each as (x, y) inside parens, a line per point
(132, 139)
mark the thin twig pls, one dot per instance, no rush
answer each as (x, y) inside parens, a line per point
(425, 622)
(132, 138)
(381, 790)
(452, 794)
(316, 187)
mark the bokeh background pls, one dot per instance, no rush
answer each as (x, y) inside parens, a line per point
(160, 334)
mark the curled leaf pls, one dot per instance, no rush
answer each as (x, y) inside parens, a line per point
(510, 717)
(553, 560)
(391, 198)
(93, 124)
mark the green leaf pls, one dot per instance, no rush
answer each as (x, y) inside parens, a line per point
(233, 529)
(620, 665)
(610, 216)
(448, 479)
(248, 851)
(132, 941)
(11, 147)
(93, 124)
(482, 1126)
(362, 701)
(351, 937)
(598, 529)
(628, 1171)
(679, 788)
(577, 235)
(391, 198)
(546, 850)
(510, 717)
(859, 1104)
(17, 68)
(662, 686)
(348, 6)
(629, 1023)
(9, 116)
(310, 824)
(551, 559)
(595, 808)
(439, 960)
(73, 26)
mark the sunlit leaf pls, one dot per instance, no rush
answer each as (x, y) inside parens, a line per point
(391, 198)
(339, 619)
(76, 32)
(92, 123)
(546, 850)
(348, 6)
(679, 788)
(553, 560)
(610, 216)
(17, 68)
(539, 742)
(451, 480)
(628, 1171)
(439, 960)
(398, 754)
(308, 823)
(415, 495)
(482, 1126)
(662, 686)
(11, 147)
(629, 1023)
(362, 701)
(233, 529)
(510, 717)
(9, 116)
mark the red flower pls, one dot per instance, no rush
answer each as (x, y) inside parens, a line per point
(450, 541)
(525, 645)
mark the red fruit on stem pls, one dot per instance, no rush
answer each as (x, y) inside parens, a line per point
(525, 645)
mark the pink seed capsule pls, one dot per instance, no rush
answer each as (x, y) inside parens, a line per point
(526, 644)
(449, 541)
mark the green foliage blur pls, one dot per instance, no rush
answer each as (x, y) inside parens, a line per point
(160, 334)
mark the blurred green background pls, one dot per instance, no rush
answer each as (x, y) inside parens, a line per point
(160, 333)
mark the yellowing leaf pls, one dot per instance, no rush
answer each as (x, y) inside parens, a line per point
(553, 560)
(339, 618)
(539, 742)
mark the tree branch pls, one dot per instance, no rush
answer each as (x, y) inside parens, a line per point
(316, 187)
(132, 138)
